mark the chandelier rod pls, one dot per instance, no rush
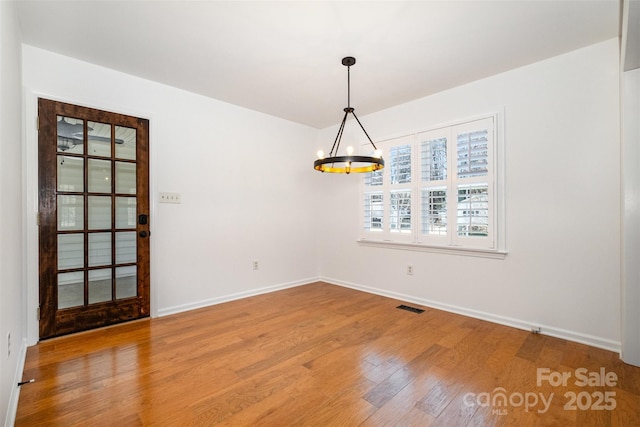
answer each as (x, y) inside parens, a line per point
(349, 87)
(336, 142)
(365, 132)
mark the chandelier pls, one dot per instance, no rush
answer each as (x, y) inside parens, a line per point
(348, 163)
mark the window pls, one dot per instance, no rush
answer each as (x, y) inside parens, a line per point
(438, 190)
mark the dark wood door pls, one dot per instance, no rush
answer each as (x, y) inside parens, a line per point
(94, 218)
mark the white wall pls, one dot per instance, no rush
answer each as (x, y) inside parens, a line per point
(245, 191)
(11, 247)
(562, 271)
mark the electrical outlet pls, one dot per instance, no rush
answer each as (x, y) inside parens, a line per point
(255, 264)
(170, 198)
(409, 269)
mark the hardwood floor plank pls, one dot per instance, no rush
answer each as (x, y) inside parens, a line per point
(388, 388)
(627, 411)
(393, 384)
(531, 348)
(315, 355)
(456, 413)
(283, 407)
(391, 413)
(345, 408)
(413, 418)
(454, 337)
(218, 405)
(434, 402)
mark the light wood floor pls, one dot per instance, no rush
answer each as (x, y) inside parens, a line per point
(320, 355)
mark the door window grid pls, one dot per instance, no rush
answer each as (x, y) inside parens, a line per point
(71, 160)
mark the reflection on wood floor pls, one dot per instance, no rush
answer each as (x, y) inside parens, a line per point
(320, 355)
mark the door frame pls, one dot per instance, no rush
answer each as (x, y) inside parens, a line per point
(30, 229)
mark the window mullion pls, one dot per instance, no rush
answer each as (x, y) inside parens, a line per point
(452, 182)
(386, 203)
(417, 189)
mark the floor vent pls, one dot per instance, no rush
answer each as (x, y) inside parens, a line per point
(411, 309)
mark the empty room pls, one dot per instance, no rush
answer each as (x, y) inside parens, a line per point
(320, 213)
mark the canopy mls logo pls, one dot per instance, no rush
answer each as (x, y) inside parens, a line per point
(499, 400)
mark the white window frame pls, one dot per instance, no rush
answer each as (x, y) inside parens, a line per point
(492, 245)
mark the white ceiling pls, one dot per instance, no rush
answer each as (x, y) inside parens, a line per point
(283, 57)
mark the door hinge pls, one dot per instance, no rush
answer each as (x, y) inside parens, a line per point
(38, 219)
(38, 123)
(38, 313)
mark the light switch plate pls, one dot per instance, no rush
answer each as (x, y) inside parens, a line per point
(170, 198)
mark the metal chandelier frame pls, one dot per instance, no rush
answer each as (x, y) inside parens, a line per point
(349, 163)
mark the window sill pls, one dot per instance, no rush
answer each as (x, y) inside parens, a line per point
(449, 250)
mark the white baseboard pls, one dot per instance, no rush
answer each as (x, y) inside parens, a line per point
(12, 408)
(591, 340)
(226, 298)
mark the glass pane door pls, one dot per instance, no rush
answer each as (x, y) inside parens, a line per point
(98, 224)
